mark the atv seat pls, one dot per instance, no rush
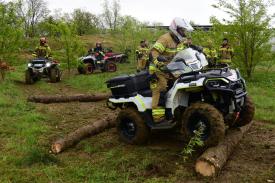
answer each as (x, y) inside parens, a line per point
(130, 85)
(145, 93)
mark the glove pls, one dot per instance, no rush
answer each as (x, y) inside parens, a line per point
(160, 64)
(163, 68)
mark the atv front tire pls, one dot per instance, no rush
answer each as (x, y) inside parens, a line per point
(54, 75)
(131, 127)
(81, 69)
(110, 67)
(58, 76)
(246, 113)
(28, 77)
(205, 116)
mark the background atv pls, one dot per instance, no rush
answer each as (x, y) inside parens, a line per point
(42, 68)
(90, 63)
(116, 57)
(195, 99)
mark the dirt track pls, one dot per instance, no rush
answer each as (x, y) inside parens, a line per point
(252, 161)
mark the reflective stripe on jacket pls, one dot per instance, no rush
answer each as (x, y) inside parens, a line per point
(226, 53)
(42, 51)
(167, 47)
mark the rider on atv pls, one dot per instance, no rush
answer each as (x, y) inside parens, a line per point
(43, 50)
(162, 52)
(98, 51)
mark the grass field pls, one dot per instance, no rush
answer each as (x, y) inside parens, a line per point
(26, 131)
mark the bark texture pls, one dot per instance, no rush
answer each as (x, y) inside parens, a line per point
(66, 99)
(214, 158)
(81, 133)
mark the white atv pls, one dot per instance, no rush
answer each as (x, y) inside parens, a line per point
(209, 98)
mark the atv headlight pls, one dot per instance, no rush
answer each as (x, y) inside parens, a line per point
(29, 64)
(48, 64)
(220, 83)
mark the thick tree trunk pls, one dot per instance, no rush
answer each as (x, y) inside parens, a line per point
(214, 158)
(83, 132)
(69, 98)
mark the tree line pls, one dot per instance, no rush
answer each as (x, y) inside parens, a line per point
(249, 29)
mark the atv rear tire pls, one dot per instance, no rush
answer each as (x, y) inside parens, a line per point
(54, 74)
(131, 127)
(207, 116)
(28, 77)
(81, 70)
(246, 114)
(110, 67)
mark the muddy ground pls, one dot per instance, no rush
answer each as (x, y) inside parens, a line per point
(252, 161)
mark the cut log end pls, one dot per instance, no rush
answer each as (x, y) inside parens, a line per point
(214, 158)
(56, 148)
(205, 169)
(83, 132)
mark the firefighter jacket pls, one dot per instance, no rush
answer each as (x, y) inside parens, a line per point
(210, 53)
(226, 53)
(167, 46)
(142, 53)
(42, 51)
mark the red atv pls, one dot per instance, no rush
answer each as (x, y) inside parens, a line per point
(116, 57)
(92, 62)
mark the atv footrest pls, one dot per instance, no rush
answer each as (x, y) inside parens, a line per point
(163, 125)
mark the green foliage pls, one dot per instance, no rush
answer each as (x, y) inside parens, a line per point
(111, 14)
(73, 48)
(84, 22)
(31, 12)
(11, 32)
(249, 29)
(131, 31)
(194, 142)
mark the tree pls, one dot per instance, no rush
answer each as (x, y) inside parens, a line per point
(130, 32)
(111, 14)
(10, 37)
(32, 11)
(249, 27)
(11, 33)
(85, 22)
(71, 43)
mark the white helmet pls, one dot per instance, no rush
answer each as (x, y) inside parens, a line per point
(180, 23)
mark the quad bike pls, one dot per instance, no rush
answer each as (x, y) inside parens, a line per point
(91, 62)
(42, 68)
(116, 57)
(196, 99)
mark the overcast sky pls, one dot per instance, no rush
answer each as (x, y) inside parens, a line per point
(198, 11)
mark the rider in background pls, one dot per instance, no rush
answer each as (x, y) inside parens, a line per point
(210, 53)
(142, 54)
(226, 52)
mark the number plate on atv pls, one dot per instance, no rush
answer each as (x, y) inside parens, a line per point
(38, 70)
(38, 65)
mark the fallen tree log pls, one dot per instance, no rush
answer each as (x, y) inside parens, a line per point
(214, 158)
(69, 98)
(74, 137)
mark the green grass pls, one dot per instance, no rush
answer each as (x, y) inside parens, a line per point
(21, 129)
(25, 136)
(261, 87)
(96, 82)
